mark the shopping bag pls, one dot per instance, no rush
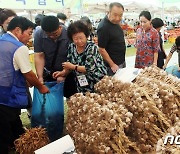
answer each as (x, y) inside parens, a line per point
(48, 110)
(173, 70)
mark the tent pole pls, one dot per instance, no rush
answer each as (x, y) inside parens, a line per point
(30, 15)
(162, 11)
(162, 17)
(81, 7)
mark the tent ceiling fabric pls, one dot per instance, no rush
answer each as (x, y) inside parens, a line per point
(90, 6)
(32, 4)
(154, 6)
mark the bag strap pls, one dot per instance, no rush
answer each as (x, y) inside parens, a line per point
(55, 55)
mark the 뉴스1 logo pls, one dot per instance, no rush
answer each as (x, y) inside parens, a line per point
(172, 139)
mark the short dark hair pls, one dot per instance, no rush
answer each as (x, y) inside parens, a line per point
(157, 23)
(38, 19)
(115, 4)
(62, 16)
(77, 27)
(21, 22)
(50, 23)
(86, 21)
(5, 14)
(146, 14)
(177, 41)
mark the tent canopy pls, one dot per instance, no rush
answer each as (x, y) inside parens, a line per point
(90, 6)
(32, 4)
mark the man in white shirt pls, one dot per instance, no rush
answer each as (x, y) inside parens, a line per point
(15, 70)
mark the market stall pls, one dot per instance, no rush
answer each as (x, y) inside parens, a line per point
(173, 34)
(126, 117)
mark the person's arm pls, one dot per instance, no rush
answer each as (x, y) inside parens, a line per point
(21, 62)
(70, 66)
(167, 60)
(156, 46)
(32, 80)
(39, 65)
(173, 49)
(179, 61)
(161, 47)
(39, 56)
(108, 59)
(164, 51)
(155, 58)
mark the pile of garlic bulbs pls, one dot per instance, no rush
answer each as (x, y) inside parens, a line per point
(148, 122)
(96, 125)
(160, 75)
(168, 148)
(125, 117)
(163, 95)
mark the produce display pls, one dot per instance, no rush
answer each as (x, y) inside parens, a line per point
(125, 117)
(163, 89)
(148, 123)
(96, 125)
(32, 140)
(164, 149)
(173, 34)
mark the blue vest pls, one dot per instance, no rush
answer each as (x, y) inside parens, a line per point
(13, 92)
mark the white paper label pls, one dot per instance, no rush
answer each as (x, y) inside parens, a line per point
(82, 80)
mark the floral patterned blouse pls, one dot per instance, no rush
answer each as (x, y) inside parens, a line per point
(147, 43)
(93, 62)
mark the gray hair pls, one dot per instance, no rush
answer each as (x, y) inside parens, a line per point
(115, 4)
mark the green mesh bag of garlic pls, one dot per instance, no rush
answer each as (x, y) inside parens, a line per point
(31, 140)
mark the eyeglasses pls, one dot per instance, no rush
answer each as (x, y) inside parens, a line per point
(53, 34)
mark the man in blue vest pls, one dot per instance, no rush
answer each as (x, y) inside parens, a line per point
(15, 71)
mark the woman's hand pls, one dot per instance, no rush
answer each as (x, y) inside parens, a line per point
(58, 74)
(68, 65)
